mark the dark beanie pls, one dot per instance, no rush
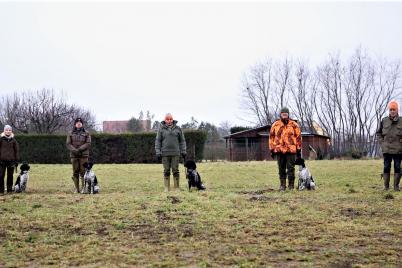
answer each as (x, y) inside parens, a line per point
(285, 110)
(78, 119)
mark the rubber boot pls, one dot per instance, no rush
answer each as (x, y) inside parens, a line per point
(176, 183)
(166, 180)
(83, 190)
(397, 179)
(386, 177)
(291, 183)
(76, 185)
(282, 187)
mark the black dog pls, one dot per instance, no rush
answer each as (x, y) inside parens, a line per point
(22, 179)
(90, 180)
(193, 177)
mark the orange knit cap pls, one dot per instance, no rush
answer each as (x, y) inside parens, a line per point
(393, 105)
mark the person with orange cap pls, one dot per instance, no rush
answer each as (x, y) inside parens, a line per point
(169, 145)
(285, 144)
(389, 135)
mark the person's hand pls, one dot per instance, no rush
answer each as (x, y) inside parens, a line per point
(159, 157)
(75, 150)
(184, 156)
(298, 153)
(273, 154)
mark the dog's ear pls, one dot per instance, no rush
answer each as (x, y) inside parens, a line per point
(90, 164)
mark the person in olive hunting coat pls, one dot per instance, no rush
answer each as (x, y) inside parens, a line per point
(169, 145)
(78, 143)
(389, 135)
(9, 157)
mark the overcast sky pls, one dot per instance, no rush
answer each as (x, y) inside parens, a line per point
(188, 59)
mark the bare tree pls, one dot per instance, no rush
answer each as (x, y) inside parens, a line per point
(283, 83)
(303, 95)
(41, 112)
(257, 93)
(346, 98)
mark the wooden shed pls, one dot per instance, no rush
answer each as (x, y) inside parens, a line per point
(252, 144)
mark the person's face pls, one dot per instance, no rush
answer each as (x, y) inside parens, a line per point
(284, 116)
(169, 120)
(393, 112)
(7, 132)
(78, 125)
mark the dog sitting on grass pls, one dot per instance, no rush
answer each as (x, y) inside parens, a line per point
(22, 179)
(192, 175)
(306, 181)
(91, 185)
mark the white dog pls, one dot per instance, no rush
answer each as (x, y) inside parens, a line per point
(91, 185)
(306, 180)
(22, 179)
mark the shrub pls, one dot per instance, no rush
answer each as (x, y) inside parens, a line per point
(106, 148)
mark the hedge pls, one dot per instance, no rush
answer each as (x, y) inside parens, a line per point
(106, 148)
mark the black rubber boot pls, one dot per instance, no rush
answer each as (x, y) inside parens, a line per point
(282, 186)
(397, 180)
(176, 183)
(386, 177)
(291, 183)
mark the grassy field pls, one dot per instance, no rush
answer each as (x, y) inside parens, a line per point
(240, 221)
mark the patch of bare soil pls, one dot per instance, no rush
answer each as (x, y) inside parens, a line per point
(351, 212)
(257, 192)
(174, 199)
(260, 198)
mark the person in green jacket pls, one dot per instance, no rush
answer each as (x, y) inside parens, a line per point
(169, 145)
(389, 135)
(78, 143)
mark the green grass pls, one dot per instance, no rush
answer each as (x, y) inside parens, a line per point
(240, 221)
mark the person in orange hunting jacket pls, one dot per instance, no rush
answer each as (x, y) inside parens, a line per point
(285, 143)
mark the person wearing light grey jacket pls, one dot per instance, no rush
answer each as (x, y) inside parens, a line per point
(169, 145)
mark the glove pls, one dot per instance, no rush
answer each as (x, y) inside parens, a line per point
(298, 153)
(159, 157)
(184, 156)
(273, 154)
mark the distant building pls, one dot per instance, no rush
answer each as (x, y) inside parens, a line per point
(121, 126)
(252, 144)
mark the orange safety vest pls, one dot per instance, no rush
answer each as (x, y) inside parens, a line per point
(285, 138)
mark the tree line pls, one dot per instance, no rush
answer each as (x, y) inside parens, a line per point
(347, 98)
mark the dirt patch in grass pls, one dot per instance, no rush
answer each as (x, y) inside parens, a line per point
(257, 192)
(260, 198)
(3, 234)
(174, 199)
(351, 212)
(102, 231)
